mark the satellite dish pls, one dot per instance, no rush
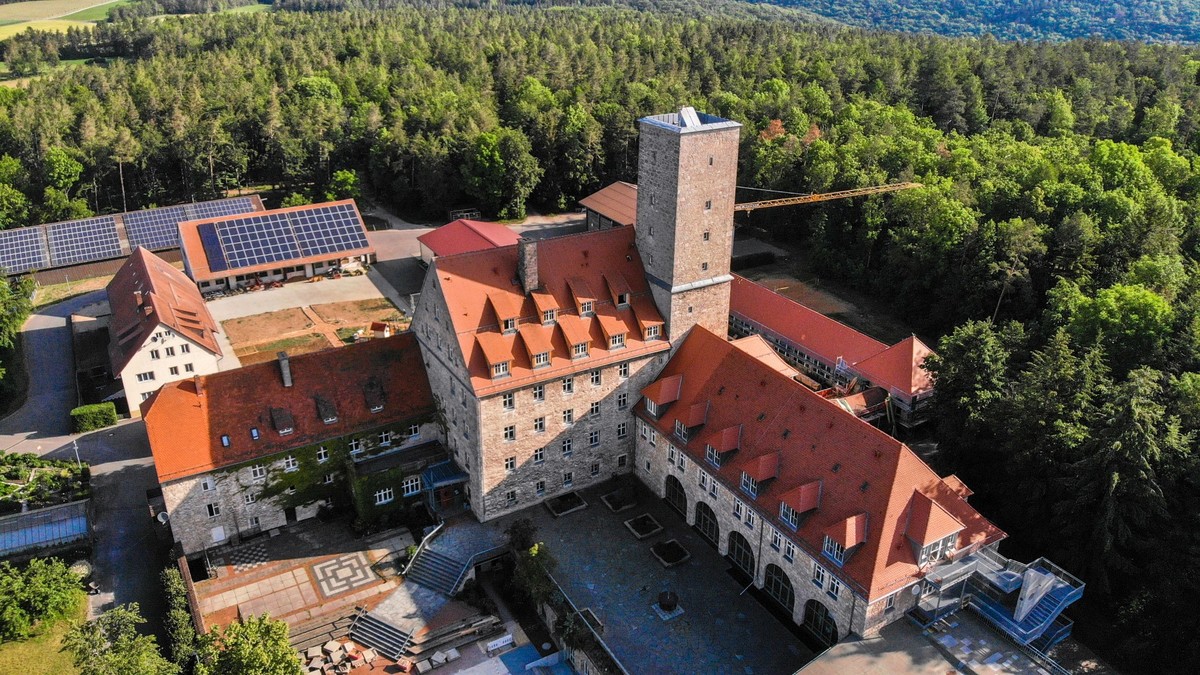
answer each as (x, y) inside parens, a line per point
(916, 589)
(162, 518)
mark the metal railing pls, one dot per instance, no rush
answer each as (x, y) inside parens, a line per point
(421, 547)
(470, 564)
(575, 610)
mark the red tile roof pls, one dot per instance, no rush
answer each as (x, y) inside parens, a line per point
(759, 348)
(928, 522)
(762, 468)
(617, 202)
(564, 263)
(861, 469)
(696, 415)
(185, 420)
(664, 390)
(803, 498)
(167, 297)
(464, 236)
(850, 532)
(899, 367)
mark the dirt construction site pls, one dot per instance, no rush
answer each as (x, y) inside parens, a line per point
(300, 330)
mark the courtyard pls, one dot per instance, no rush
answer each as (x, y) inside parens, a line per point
(604, 567)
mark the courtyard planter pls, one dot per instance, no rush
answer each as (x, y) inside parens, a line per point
(563, 504)
(643, 526)
(670, 553)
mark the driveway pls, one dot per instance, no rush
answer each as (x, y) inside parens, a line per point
(295, 294)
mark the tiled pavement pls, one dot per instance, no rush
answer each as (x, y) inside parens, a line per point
(981, 650)
(247, 558)
(343, 573)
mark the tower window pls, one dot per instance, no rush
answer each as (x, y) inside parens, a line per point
(710, 160)
(706, 235)
(708, 205)
(703, 267)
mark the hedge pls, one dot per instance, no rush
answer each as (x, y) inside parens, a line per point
(95, 416)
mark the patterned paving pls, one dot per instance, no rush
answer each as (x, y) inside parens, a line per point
(343, 573)
(248, 557)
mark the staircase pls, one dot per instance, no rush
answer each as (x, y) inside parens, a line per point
(379, 635)
(436, 571)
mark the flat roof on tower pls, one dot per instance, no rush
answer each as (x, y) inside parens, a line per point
(687, 120)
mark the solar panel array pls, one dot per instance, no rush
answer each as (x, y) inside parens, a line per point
(91, 239)
(280, 236)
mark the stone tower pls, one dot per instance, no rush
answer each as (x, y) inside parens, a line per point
(687, 172)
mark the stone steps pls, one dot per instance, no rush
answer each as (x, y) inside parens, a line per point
(380, 635)
(437, 571)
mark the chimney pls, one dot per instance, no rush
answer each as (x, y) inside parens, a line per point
(199, 385)
(137, 296)
(527, 264)
(285, 368)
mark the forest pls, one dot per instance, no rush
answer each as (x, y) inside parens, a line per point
(1054, 244)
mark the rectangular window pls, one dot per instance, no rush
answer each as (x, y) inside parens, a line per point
(185, 349)
(890, 603)
(145, 377)
(703, 267)
(622, 461)
(509, 401)
(670, 454)
(653, 438)
(617, 341)
(155, 355)
(749, 485)
(500, 369)
(623, 370)
(681, 430)
(706, 235)
(593, 438)
(539, 488)
(549, 316)
(594, 410)
(410, 486)
(170, 351)
(214, 510)
(258, 471)
(568, 385)
(834, 551)
(249, 498)
(253, 522)
(510, 325)
(539, 425)
(702, 480)
(585, 308)
(789, 516)
(595, 469)
(579, 350)
(328, 478)
(597, 378)
(749, 518)
(653, 332)
(622, 430)
(414, 431)
(207, 484)
(622, 298)
(510, 433)
(510, 463)
(566, 447)
(225, 440)
(539, 455)
(384, 496)
(174, 370)
(738, 509)
(322, 455)
(938, 550)
(622, 401)
(789, 551)
(510, 497)
(147, 394)
(356, 445)
(539, 392)
(643, 429)
(385, 437)
(835, 588)
(568, 417)
(541, 359)
(290, 464)
(776, 539)
(708, 205)
(818, 576)
(568, 478)
(712, 456)
(189, 368)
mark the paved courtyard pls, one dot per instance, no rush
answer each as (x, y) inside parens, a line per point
(604, 568)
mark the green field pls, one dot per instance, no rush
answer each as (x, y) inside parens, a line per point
(97, 13)
(247, 9)
(58, 15)
(40, 655)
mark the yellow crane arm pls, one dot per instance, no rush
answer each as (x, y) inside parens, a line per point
(824, 196)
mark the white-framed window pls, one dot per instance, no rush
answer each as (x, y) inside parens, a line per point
(670, 454)
(749, 485)
(593, 438)
(568, 416)
(622, 401)
(410, 486)
(749, 521)
(155, 355)
(509, 401)
(568, 385)
(776, 539)
(170, 351)
(249, 497)
(653, 438)
(213, 510)
(834, 551)
(616, 341)
(566, 447)
(653, 332)
(539, 392)
(623, 371)
(938, 550)
(789, 551)
(510, 325)
(702, 480)
(622, 429)
(384, 496)
(145, 377)
(329, 478)
(579, 350)
(510, 432)
(258, 471)
(595, 469)
(356, 445)
(713, 489)
(622, 298)
(207, 484)
(541, 359)
(738, 509)
(568, 478)
(652, 408)
(322, 455)
(146, 395)
(585, 308)
(890, 603)
(254, 433)
(539, 488)
(539, 455)
(681, 430)
(510, 463)
(594, 410)
(549, 316)
(500, 369)
(189, 368)
(622, 461)
(835, 588)
(539, 425)
(789, 516)
(510, 497)
(174, 370)
(643, 430)
(414, 431)
(818, 576)
(225, 440)
(597, 378)
(712, 456)
(290, 464)
(185, 349)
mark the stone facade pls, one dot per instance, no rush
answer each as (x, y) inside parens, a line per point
(849, 609)
(687, 176)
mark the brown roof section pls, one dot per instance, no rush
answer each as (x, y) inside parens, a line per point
(928, 522)
(762, 468)
(850, 532)
(803, 498)
(467, 281)
(185, 420)
(861, 470)
(664, 390)
(464, 236)
(148, 291)
(617, 202)
(899, 367)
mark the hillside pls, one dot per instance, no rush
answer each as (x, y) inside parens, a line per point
(1151, 20)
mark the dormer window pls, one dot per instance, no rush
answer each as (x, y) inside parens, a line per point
(377, 408)
(681, 431)
(789, 516)
(834, 551)
(622, 299)
(254, 433)
(712, 456)
(549, 316)
(585, 308)
(542, 359)
(579, 350)
(500, 369)
(749, 485)
(938, 550)
(326, 410)
(652, 407)
(617, 341)
(510, 325)
(653, 332)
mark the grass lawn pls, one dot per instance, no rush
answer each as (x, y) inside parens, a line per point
(52, 15)
(59, 25)
(247, 9)
(40, 655)
(54, 293)
(97, 13)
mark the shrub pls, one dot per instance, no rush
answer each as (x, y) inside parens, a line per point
(92, 417)
(43, 590)
(181, 634)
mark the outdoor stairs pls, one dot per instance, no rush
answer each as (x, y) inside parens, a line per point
(379, 635)
(436, 571)
(319, 632)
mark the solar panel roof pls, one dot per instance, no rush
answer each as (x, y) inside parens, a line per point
(23, 249)
(327, 229)
(269, 237)
(78, 241)
(158, 229)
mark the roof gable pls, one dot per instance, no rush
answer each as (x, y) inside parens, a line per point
(900, 367)
(617, 202)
